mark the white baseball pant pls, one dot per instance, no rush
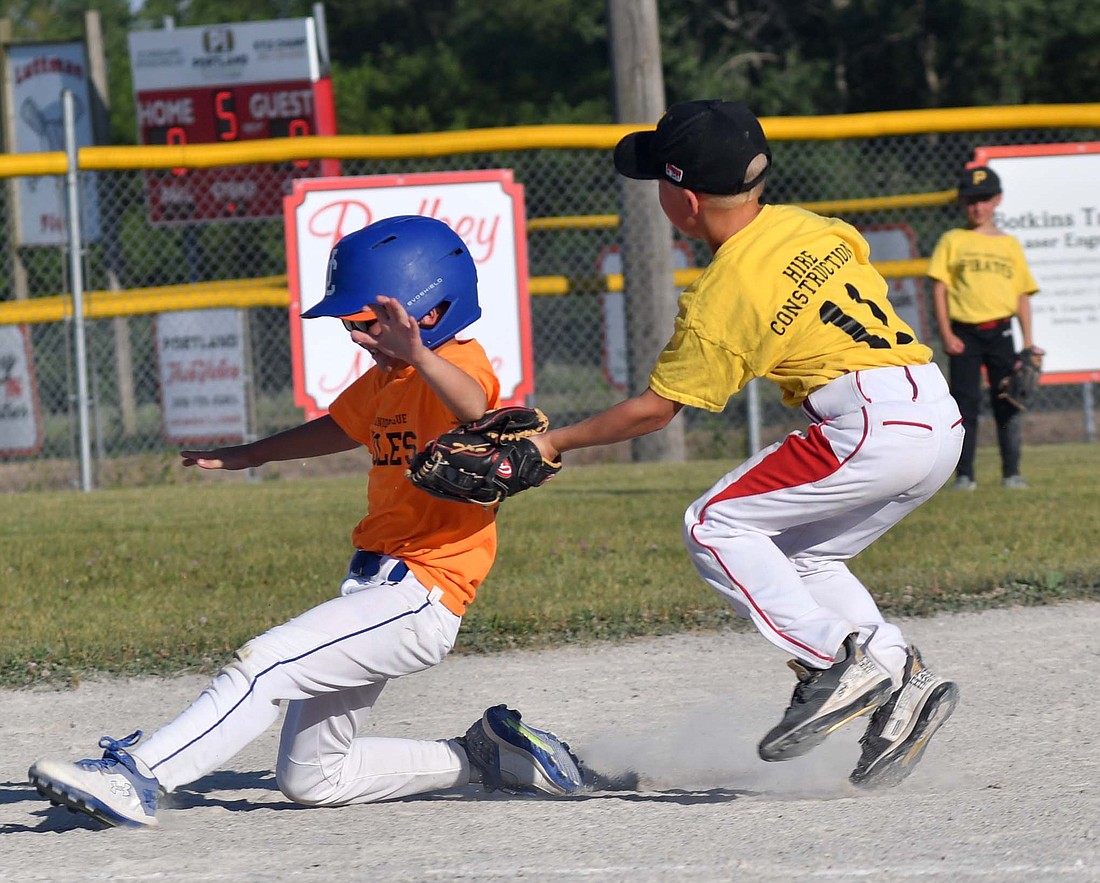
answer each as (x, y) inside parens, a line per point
(331, 663)
(772, 536)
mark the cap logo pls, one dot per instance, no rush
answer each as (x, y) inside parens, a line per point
(674, 173)
(978, 177)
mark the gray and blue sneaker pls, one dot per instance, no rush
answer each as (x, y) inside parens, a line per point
(112, 790)
(511, 756)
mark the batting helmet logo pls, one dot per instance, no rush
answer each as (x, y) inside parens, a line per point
(329, 287)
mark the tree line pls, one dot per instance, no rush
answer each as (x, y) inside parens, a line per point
(403, 66)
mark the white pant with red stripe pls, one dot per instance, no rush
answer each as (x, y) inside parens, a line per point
(773, 535)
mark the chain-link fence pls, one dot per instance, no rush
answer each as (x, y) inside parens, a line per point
(133, 251)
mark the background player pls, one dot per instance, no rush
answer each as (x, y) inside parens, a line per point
(418, 565)
(980, 280)
(792, 297)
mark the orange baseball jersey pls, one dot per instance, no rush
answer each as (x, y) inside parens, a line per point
(984, 275)
(449, 545)
(792, 297)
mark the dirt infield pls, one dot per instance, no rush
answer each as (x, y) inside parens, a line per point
(1008, 791)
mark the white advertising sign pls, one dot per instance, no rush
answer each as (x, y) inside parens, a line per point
(897, 242)
(245, 52)
(20, 425)
(37, 74)
(202, 376)
(1051, 203)
(485, 208)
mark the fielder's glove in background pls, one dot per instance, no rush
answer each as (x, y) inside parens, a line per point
(1022, 384)
(485, 461)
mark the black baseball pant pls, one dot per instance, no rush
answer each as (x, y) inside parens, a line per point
(987, 344)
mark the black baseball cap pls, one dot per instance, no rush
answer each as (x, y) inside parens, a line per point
(981, 182)
(705, 146)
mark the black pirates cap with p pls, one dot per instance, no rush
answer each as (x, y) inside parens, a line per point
(705, 146)
(981, 182)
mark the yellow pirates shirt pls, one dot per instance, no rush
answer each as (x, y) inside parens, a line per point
(984, 275)
(792, 297)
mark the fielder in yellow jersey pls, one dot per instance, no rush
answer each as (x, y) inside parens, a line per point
(809, 307)
(980, 280)
(792, 297)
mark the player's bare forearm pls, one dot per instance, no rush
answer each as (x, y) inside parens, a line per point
(627, 420)
(939, 307)
(458, 391)
(313, 439)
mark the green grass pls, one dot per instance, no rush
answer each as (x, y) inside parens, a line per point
(174, 578)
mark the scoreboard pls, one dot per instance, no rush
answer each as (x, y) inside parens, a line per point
(229, 113)
(225, 83)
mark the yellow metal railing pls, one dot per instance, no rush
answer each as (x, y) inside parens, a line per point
(831, 207)
(528, 138)
(574, 137)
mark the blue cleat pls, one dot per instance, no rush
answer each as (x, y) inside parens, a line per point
(113, 790)
(512, 756)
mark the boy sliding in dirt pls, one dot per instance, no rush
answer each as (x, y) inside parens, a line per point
(404, 287)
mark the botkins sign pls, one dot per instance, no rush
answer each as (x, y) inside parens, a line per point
(1051, 203)
(485, 208)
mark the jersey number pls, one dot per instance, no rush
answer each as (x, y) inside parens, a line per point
(831, 314)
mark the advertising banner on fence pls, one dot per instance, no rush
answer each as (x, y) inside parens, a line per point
(1051, 204)
(36, 74)
(20, 424)
(485, 208)
(202, 376)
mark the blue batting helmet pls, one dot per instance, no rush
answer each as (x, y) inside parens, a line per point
(414, 259)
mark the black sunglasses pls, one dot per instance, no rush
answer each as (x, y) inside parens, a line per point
(353, 325)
